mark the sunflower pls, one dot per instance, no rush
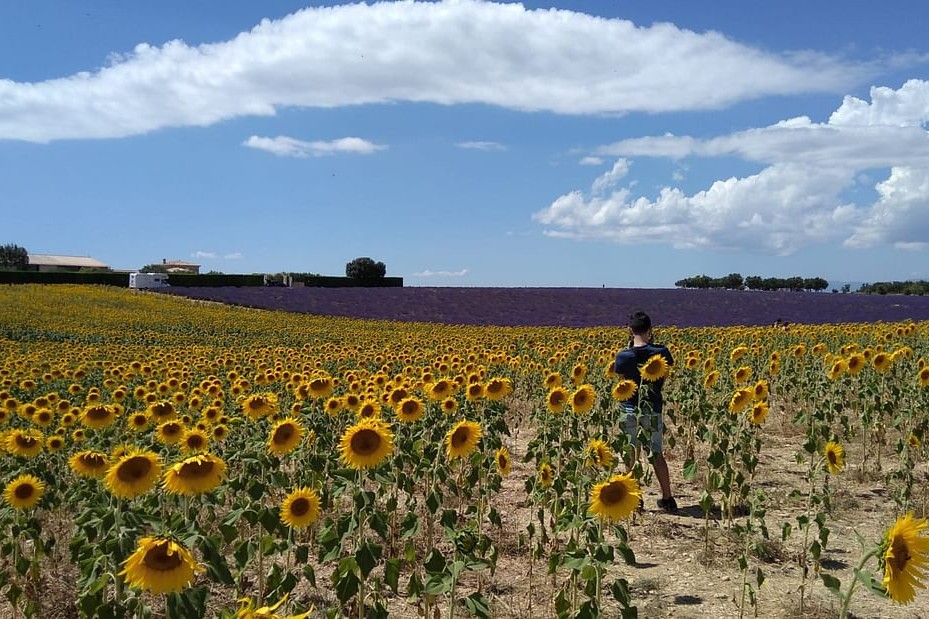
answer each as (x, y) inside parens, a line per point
(924, 376)
(440, 389)
(219, 432)
(161, 410)
(284, 437)
(913, 441)
(761, 390)
(91, 464)
(449, 405)
(259, 405)
(195, 474)
(599, 454)
(615, 498)
(654, 369)
(366, 444)
(43, 417)
(98, 416)
(410, 409)
(835, 457)
(247, 610)
(24, 492)
(462, 439)
(904, 558)
(774, 367)
(881, 362)
(546, 475)
(300, 508)
(557, 399)
(758, 412)
(133, 474)
(624, 390)
(25, 443)
(369, 409)
(194, 440)
(54, 442)
(742, 374)
(504, 464)
(583, 399)
(856, 363)
(137, 422)
(740, 399)
(160, 565)
(474, 391)
(552, 380)
(170, 432)
(498, 388)
(710, 380)
(838, 368)
(737, 353)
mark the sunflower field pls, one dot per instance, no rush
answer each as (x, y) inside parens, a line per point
(162, 457)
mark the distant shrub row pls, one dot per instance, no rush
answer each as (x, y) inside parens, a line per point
(735, 281)
(920, 287)
(187, 280)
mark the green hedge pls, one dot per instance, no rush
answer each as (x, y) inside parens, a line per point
(54, 277)
(324, 281)
(214, 280)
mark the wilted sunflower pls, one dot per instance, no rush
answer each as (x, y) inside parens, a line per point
(300, 508)
(624, 390)
(160, 565)
(599, 454)
(835, 457)
(195, 474)
(133, 474)
(546, 475)
(740, 399)
(502, 459)
(410, 409)
(654, 369)
(92, 464)
(98, 416)
(758, 412)
(904, 558)
(615, 498)
(285, 436)
(557, 399)
(259, 405)
(462, 439)
(710, 380)
(25, 443)
(24, 492)
(583, 399)
(194, 440)
(247, 610)
(366, 444)
(913, 441)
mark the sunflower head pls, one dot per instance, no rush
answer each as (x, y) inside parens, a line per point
(93, 464)
(366, 444)
(503, 461)
(583, 399)
(300, 508)
(834, 455)
(557, 399)
(133, 474)
(160, 565)
(194, 441)
(546, 475)
(710, 380)
(758, 412)
(462, 439)
(624, 390)
(904, 558)
(498, 388)
(740, 399)
(195, 475)
(285, 436)
(616, 498)
(24, 492)
(410, 409)
(655, 368)
(599, 454)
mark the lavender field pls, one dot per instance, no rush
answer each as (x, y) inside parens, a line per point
(572, 307)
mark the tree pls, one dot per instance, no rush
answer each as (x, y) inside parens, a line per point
(13, 257)
(153, 268)
(365, 268)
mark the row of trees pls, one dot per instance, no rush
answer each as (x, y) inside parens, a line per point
(919, 287)
(13, 257)
(735, 281)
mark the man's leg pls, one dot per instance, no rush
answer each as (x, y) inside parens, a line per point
(661, 472)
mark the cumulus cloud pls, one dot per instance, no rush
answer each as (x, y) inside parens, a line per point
(284, 146)
(203, 255)
(236, 255)
(795, 200)
(481, 145)
(459, 51)
(591, 160)
(428, 273)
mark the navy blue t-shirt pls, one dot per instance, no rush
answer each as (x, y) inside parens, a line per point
(627, 365)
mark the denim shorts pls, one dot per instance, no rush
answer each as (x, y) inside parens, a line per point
(652, 424)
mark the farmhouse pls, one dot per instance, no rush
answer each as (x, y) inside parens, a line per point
(179, 266)
(49, 263)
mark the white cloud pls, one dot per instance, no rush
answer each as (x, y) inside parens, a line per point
(481, 145)
(208, 255)
(608, 180)
(459, 51)
(284, 146)
(237, 255)
(428, 273)
(797, 199)
(590, 160)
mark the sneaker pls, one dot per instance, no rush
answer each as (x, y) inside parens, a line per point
(669, 505)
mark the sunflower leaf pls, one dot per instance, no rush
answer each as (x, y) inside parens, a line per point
(832, 583)
(392, 574)
(477, 605)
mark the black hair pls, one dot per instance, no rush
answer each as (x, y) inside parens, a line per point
(639, 322)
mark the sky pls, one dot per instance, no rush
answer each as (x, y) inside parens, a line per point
(617, 143)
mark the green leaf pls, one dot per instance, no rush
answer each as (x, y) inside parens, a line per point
(477, 605)
(367, 557)
(438, 584)
(216, 565)
(346, 585)
(690, 470)
(309, 574)
(435, 563)
(392, 574)
(832, 583)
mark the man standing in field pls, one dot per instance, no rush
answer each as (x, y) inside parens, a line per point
(646, 364)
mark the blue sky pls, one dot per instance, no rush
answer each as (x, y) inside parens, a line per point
(465, 143)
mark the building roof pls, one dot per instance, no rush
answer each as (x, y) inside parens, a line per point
(66, 261)
(178, 263)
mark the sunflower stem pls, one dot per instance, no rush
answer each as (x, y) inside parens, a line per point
(847, 598)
